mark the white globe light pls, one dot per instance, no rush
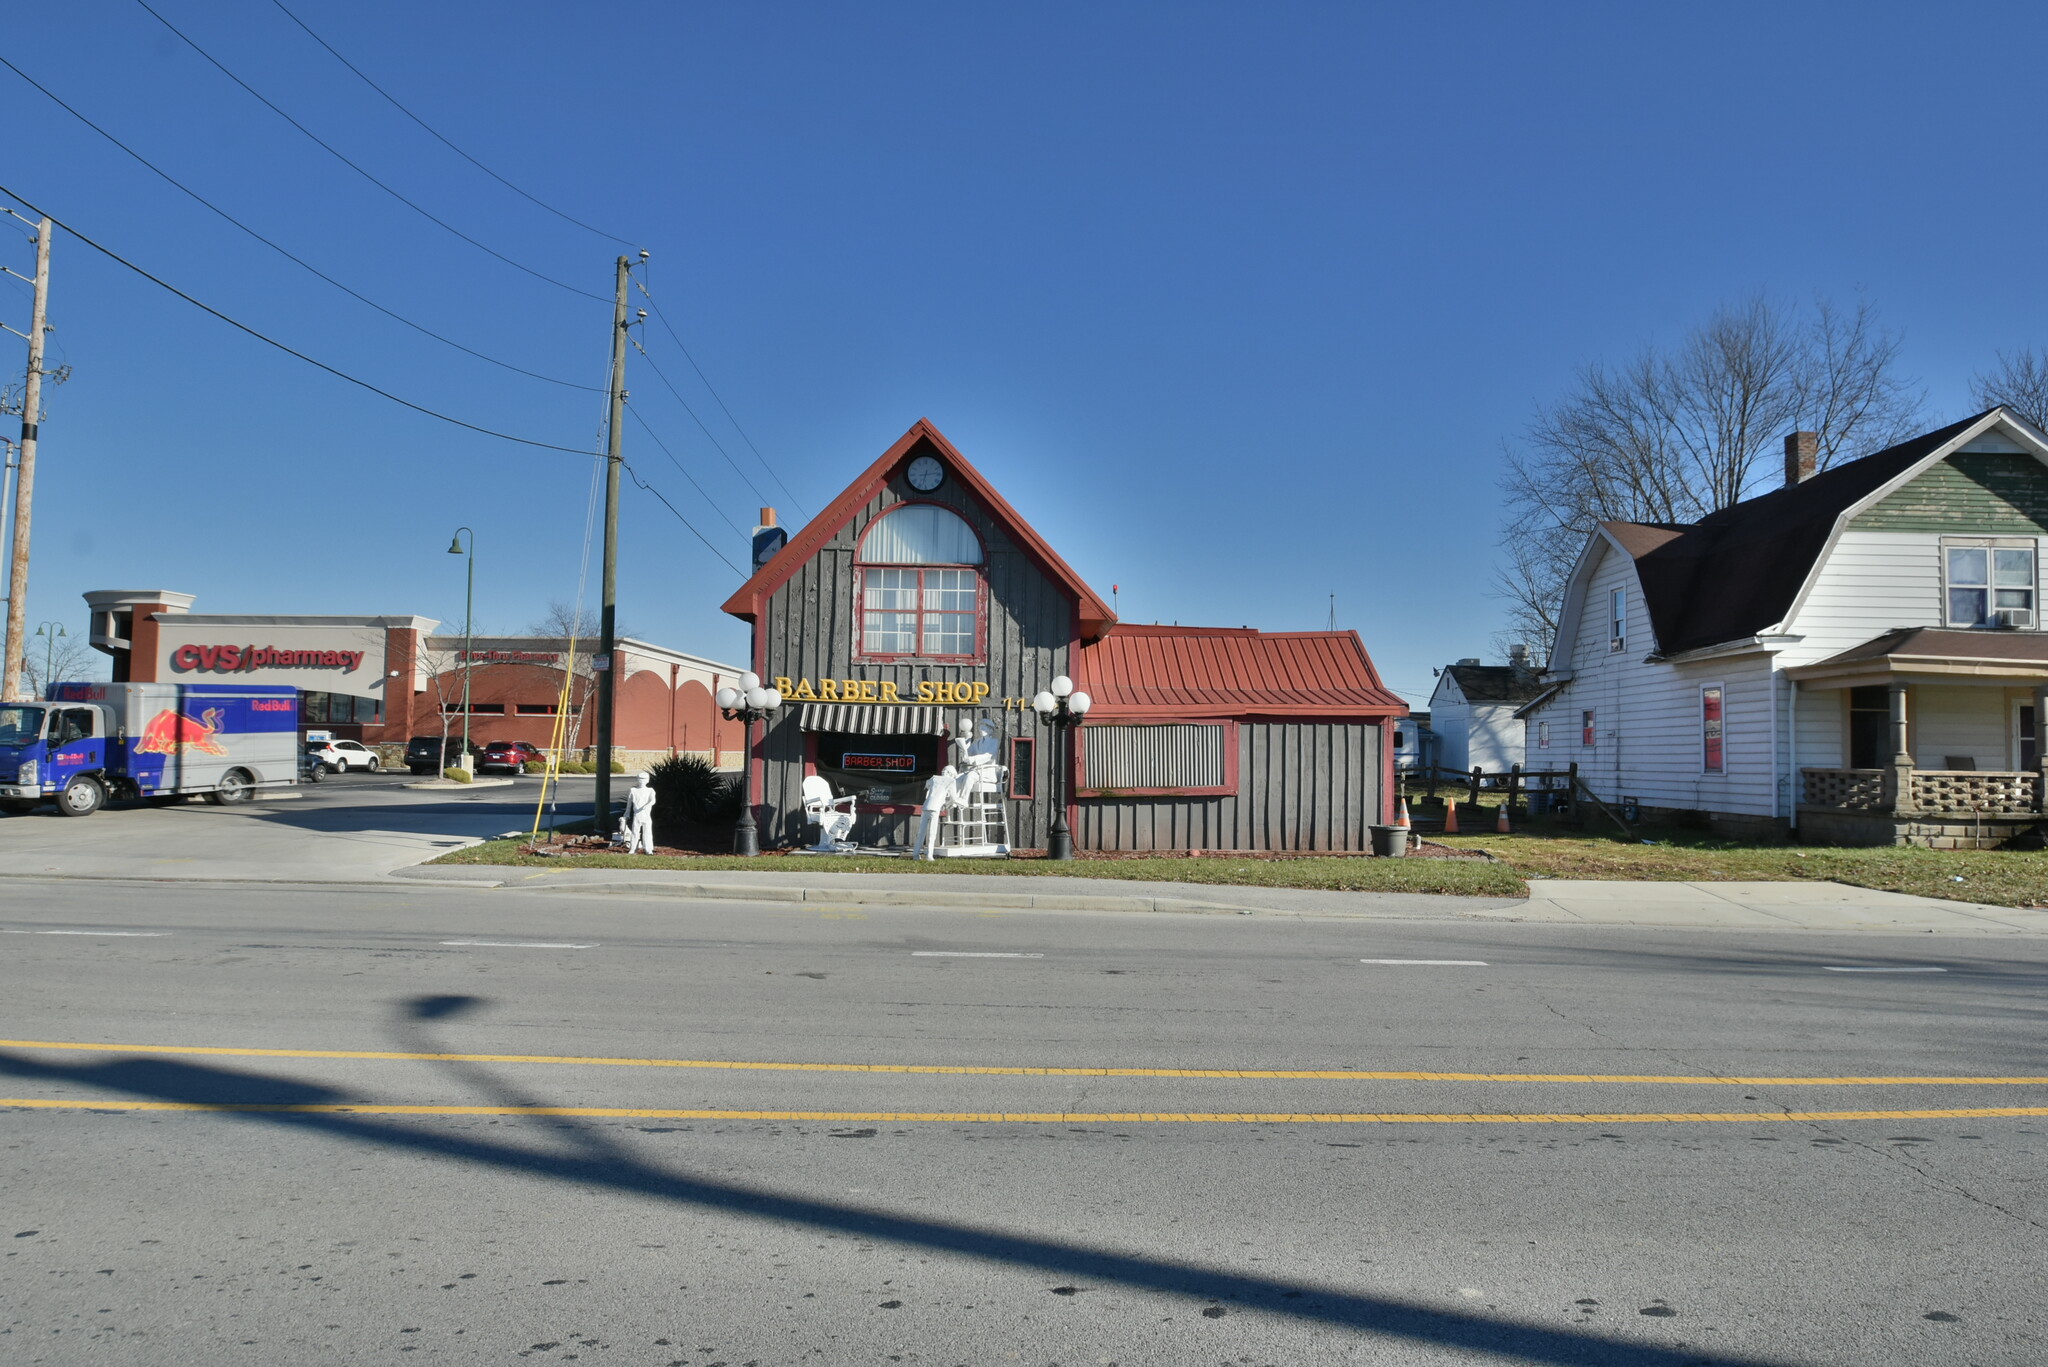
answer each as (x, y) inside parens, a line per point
(728, 698)
(1044, 704)
(774, 698)
(1079, 703)
(1062, 686)
(757, 698)
(749, 681)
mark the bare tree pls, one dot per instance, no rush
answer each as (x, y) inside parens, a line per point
(565, 619)
(2019, 381)
(1673, 435)
(65, 660)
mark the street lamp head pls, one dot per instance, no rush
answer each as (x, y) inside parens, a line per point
(1079, 703)
(728, 699)
(757, 698)
(774, 696)
(1044, 704)
(455, 544)
(1061, 686)
(749, 681)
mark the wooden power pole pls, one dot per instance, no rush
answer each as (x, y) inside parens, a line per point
(607, 619)
(31, 412)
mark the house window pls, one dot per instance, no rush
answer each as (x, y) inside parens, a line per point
(1989, 583)
(1617, 619)
(1173, 758)
(1024, 767)
(1542, 735)
(919, 584)
(1870, 727)
(1588, 735)
(1712, 754)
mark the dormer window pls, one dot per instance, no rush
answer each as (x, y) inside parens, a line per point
(1989, 583)
(918, 576)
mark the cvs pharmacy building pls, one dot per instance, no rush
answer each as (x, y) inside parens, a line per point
(920, 599)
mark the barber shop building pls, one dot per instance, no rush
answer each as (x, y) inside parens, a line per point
(920, 599)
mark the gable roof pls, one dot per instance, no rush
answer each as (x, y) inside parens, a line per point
(1494, 683)
(1151, 673)
(1095, 615)
(1736, 572)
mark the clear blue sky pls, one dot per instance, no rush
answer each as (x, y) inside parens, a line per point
(1236, 303)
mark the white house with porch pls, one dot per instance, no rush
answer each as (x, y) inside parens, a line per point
(1858, 657)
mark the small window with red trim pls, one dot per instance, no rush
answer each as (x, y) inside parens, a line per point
(1024, 767)
(918, 578)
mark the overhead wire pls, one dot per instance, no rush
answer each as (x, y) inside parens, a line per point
(281, 251)
(656, 438)
(628, 467)
(659, 374)
(443, 140)
(334, 152)
(677, 338)
(267, 340)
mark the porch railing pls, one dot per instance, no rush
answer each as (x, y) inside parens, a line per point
(1990, 792)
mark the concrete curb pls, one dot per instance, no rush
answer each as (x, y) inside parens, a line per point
(896, 897)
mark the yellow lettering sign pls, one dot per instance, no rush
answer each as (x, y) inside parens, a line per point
(888, 691)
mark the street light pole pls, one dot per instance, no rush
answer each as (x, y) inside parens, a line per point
(468, 622)
(1063, 706)
(748, 703)
(50, 649)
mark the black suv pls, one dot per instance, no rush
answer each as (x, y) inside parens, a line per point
(430, 755)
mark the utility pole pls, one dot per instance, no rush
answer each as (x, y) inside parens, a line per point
(31, 412)
(607, 640)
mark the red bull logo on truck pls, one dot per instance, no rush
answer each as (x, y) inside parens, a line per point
(171, 732)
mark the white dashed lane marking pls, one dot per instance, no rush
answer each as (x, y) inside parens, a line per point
(1443, 963)
(514, 944)
(969, 954)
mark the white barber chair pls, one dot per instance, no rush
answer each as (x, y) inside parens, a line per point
(833, 816)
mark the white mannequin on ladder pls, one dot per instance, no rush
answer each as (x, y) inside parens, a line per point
(964, 790)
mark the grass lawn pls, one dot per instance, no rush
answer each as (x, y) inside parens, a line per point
(1473, 878)
(1995, 877)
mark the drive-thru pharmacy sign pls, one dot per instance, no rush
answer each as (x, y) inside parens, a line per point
(195, 659)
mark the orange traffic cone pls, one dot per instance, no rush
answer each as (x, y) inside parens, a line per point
(1500, 825)
(1450, 816)
(1401, 816)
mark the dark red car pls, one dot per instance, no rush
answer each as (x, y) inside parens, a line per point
(513, 755)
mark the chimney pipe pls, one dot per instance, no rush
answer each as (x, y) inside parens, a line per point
(1802, 456)
(767, 517)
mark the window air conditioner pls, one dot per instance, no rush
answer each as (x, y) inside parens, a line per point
(2012, 617)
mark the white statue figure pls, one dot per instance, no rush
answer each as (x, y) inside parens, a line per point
(941, 790)
(834, 815)
(978, 759)
(640, 816)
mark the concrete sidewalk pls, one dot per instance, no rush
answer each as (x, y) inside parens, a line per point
(1751, 906)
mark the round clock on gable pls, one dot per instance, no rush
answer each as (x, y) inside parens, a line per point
(925, 474)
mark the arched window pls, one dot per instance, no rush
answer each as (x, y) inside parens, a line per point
(919, 585)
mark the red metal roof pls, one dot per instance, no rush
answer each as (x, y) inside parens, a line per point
(1154, 673)
(1095, 615)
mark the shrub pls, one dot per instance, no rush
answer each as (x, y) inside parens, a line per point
(618, 767)
(456, 775)
(687, 788)
(573, 766)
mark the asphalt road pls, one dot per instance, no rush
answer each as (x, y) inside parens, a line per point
(931, 1158)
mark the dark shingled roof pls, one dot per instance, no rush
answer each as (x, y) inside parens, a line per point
(1494, 683)
(1933, 643)
(1734, 573)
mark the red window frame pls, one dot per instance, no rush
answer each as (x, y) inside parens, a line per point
(1589, 728)
(1230, 774)
(979, 655)
(1024, 768)
(1713, 728)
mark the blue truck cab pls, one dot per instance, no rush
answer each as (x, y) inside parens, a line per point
(88, 742)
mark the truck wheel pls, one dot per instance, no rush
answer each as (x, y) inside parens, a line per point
(232, 789)
(82, 796)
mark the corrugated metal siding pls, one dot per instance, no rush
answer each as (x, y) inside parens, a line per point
(1167, 756)
(807, 628)
(1301, 786)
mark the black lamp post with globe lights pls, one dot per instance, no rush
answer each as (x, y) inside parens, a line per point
(1063, 706)
(748, 703)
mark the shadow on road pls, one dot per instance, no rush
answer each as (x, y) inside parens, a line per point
(594, 1159)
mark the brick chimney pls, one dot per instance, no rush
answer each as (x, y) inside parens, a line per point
(1802, 455)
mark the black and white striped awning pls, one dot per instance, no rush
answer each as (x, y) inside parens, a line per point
(872, 719)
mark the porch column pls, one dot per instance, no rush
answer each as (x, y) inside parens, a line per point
(2041, 747)
(1899, 776)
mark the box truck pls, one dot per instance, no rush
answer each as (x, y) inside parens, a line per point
(87, 742)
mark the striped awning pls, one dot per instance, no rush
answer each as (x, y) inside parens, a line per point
(872, 719)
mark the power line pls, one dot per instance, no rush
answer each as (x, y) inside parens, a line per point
(709, 502)
(677, 338)
(627, 466)
(287, 255)
(338, 156)
(699, 421)
(118, 259)
(567, 218)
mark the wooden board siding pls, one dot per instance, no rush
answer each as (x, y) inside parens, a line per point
(807, 630)
(1301, 786)
(1969, 494)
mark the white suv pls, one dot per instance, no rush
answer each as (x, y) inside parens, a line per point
(340, 756)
